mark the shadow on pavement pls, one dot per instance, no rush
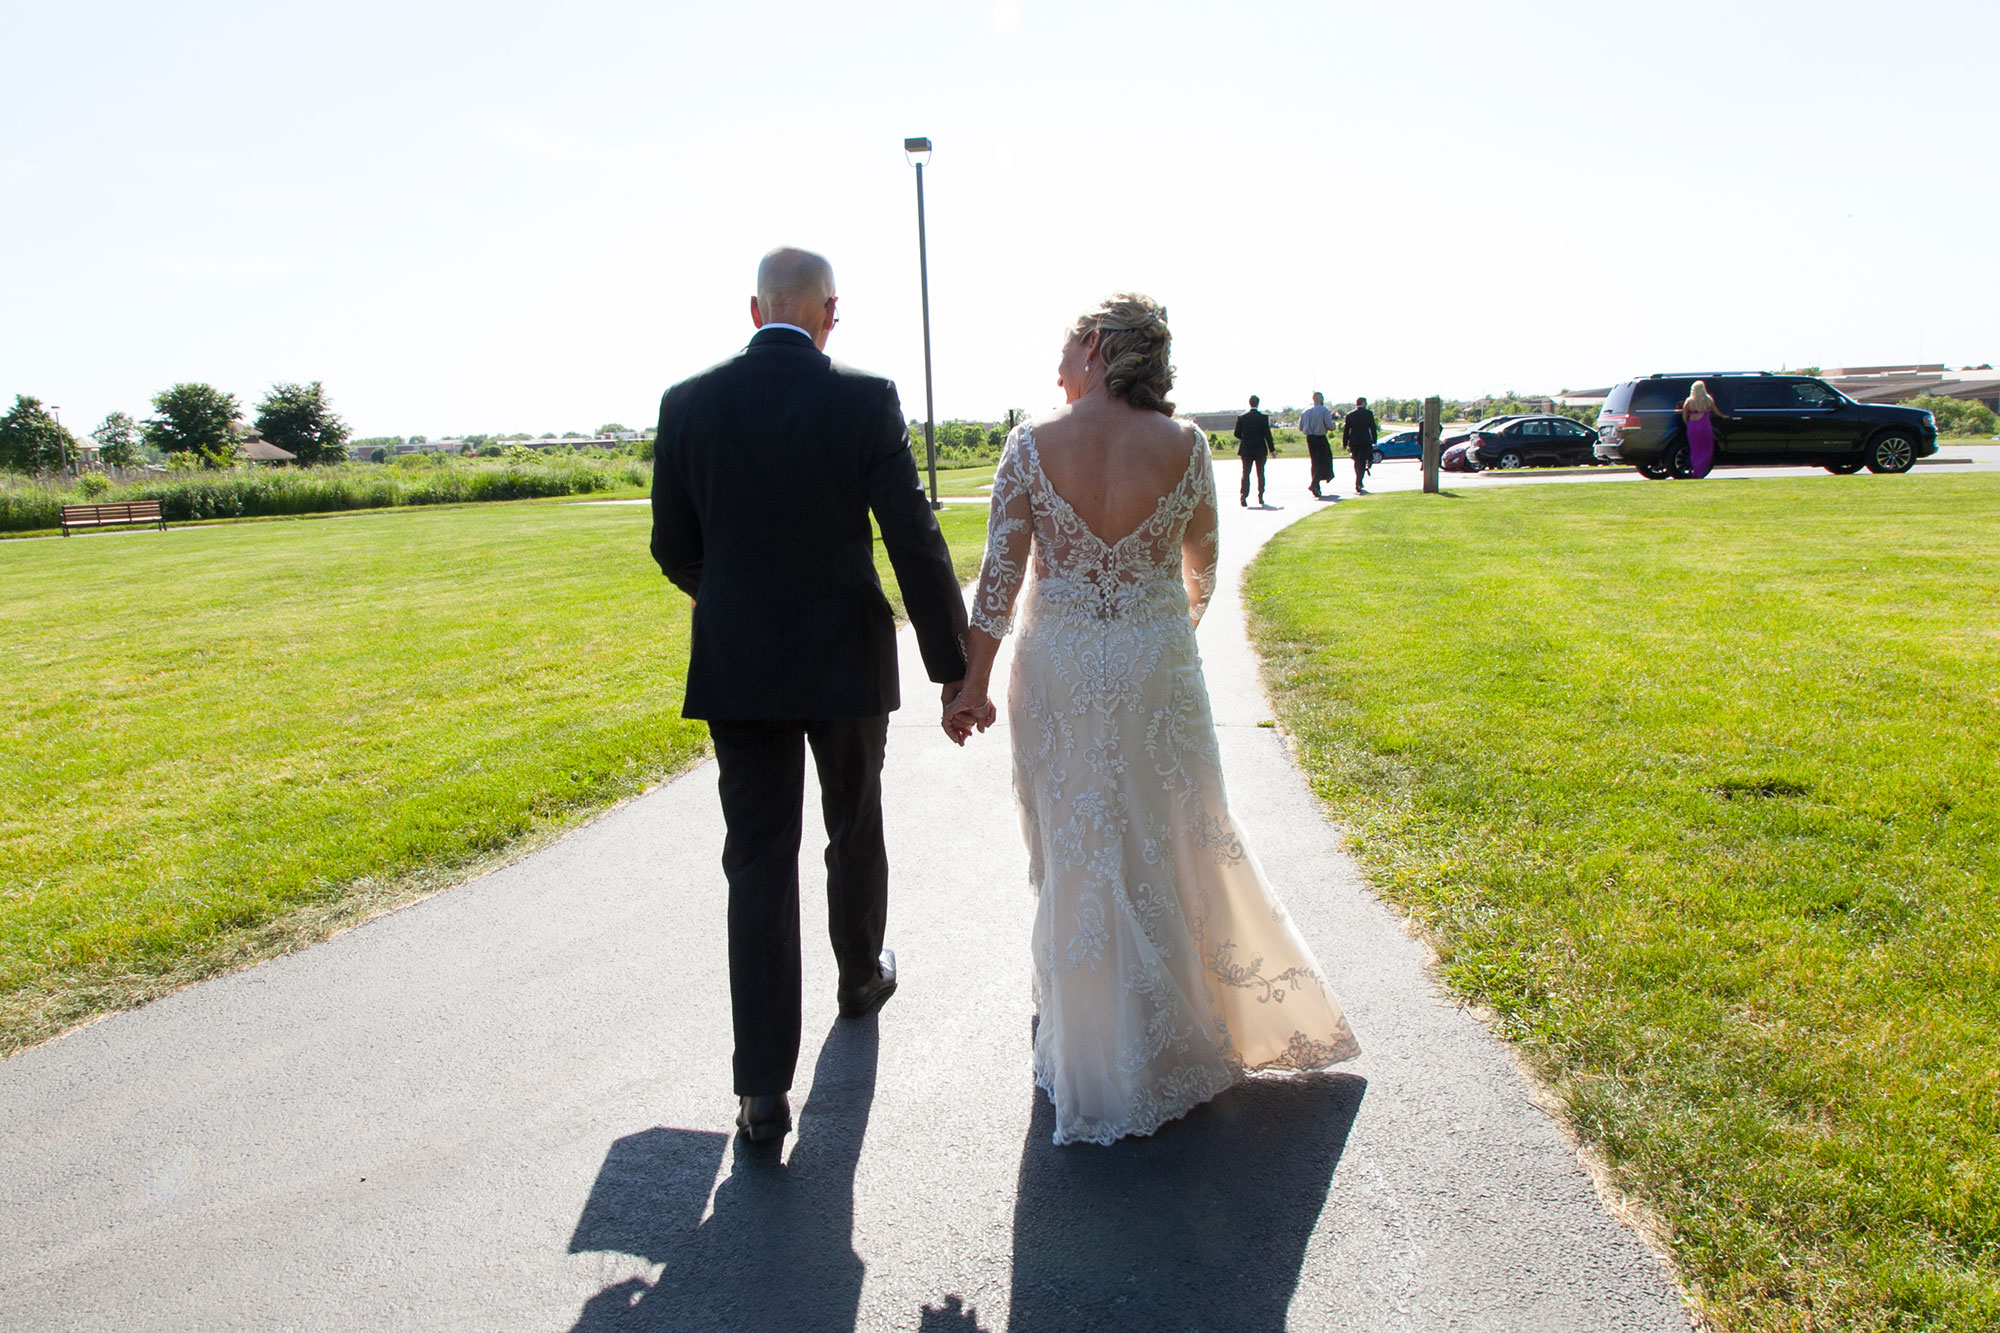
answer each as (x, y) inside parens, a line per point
(777, 1251)
(1202, 1226)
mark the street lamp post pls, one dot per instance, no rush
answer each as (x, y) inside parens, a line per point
(918, 152)
(56, 412)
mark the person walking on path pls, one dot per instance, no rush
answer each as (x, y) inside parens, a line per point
(1165, 969)
(1357, 434)
(1699, 413)
(1317, 423)
(767, 469)
(1254, 444)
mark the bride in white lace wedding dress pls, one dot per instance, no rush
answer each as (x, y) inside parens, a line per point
(1165, 969)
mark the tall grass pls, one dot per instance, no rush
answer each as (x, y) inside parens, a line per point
(27, 506)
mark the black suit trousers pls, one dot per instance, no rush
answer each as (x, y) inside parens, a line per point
(763, 790)
(1255, 464)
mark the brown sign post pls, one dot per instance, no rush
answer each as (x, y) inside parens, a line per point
(1433, 431)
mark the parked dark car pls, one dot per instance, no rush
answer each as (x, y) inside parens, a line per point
(1531, 441)
(1459, 458)
(1403, 444)
(1462, 436)
(1771, 421)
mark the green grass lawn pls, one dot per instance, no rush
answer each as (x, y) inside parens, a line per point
(1694, 787)
(964, 480)
(227, 741)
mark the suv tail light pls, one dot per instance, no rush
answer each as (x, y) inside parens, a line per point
(1615, 421)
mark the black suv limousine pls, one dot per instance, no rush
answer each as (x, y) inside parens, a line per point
(1774, 421)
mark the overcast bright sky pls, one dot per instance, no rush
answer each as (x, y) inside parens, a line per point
(501, 216)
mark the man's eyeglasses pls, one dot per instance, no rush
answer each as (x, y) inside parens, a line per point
(833, 316)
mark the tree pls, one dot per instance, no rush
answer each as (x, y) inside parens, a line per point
(32, 440)
(195, 419)
(117, 439)
(614, 428)
(297, 417)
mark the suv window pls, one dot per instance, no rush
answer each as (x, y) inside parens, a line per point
(1761, 394)
(1811, 393)
(1658, 396)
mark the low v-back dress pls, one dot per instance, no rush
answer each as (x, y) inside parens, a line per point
(1165, 969)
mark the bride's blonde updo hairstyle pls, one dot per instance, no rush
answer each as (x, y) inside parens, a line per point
(1132, 340)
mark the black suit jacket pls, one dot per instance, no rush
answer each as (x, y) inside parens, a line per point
(1253, 435)
(765, 471)
(1358, 431)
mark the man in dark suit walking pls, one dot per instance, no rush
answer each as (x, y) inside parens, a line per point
(1357, 433)
(766, 469)
(1254, 444)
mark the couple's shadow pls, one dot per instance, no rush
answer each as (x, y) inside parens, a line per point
(1204, 1225)
(777, 1250)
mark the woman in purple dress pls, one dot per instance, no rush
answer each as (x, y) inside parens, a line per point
(1699, 413)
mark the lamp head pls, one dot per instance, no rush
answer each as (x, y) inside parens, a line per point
(917, 151)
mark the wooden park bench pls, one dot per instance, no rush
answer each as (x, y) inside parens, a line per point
(98, 516)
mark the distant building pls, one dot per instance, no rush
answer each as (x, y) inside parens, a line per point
(1226, 421)
(252, 447)
(1891, 384)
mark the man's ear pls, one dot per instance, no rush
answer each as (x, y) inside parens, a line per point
(756, 313)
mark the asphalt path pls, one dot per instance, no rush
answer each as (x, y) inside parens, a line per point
(508, 1107)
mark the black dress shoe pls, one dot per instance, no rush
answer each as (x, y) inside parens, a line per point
(762, 1119)
(866, 998)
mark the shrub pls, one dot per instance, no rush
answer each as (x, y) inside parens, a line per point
(92, 484)
(186, 496)
(26, 508)
(1961, 417)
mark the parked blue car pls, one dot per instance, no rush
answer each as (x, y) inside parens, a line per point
(1403, 444)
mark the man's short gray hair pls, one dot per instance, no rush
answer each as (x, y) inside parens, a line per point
(791, 281)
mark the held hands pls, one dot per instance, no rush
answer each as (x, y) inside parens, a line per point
(966, 710)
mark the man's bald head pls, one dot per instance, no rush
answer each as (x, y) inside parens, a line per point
(794, 287)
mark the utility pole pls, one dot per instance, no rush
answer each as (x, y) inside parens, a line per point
(1433, 430)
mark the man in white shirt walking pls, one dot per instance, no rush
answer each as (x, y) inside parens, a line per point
(1317, 423)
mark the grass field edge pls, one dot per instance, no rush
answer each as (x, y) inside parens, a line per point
(346, 908)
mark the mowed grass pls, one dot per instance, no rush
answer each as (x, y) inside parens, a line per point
(224, 742)
(963, 481)
(1694, 787)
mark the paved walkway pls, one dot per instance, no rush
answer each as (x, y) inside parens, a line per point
(508, 1107)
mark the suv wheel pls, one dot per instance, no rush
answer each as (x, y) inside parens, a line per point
(1844, 469)
(1511, 459)
(1654, 469)
(1891, 452)
(1680, 463)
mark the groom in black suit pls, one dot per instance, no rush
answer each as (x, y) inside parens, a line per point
(766, 469)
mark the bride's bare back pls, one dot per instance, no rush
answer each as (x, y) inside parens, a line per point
(1112, 461)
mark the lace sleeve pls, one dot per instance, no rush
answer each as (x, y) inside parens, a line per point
(1009, 530)
(1200, 547)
